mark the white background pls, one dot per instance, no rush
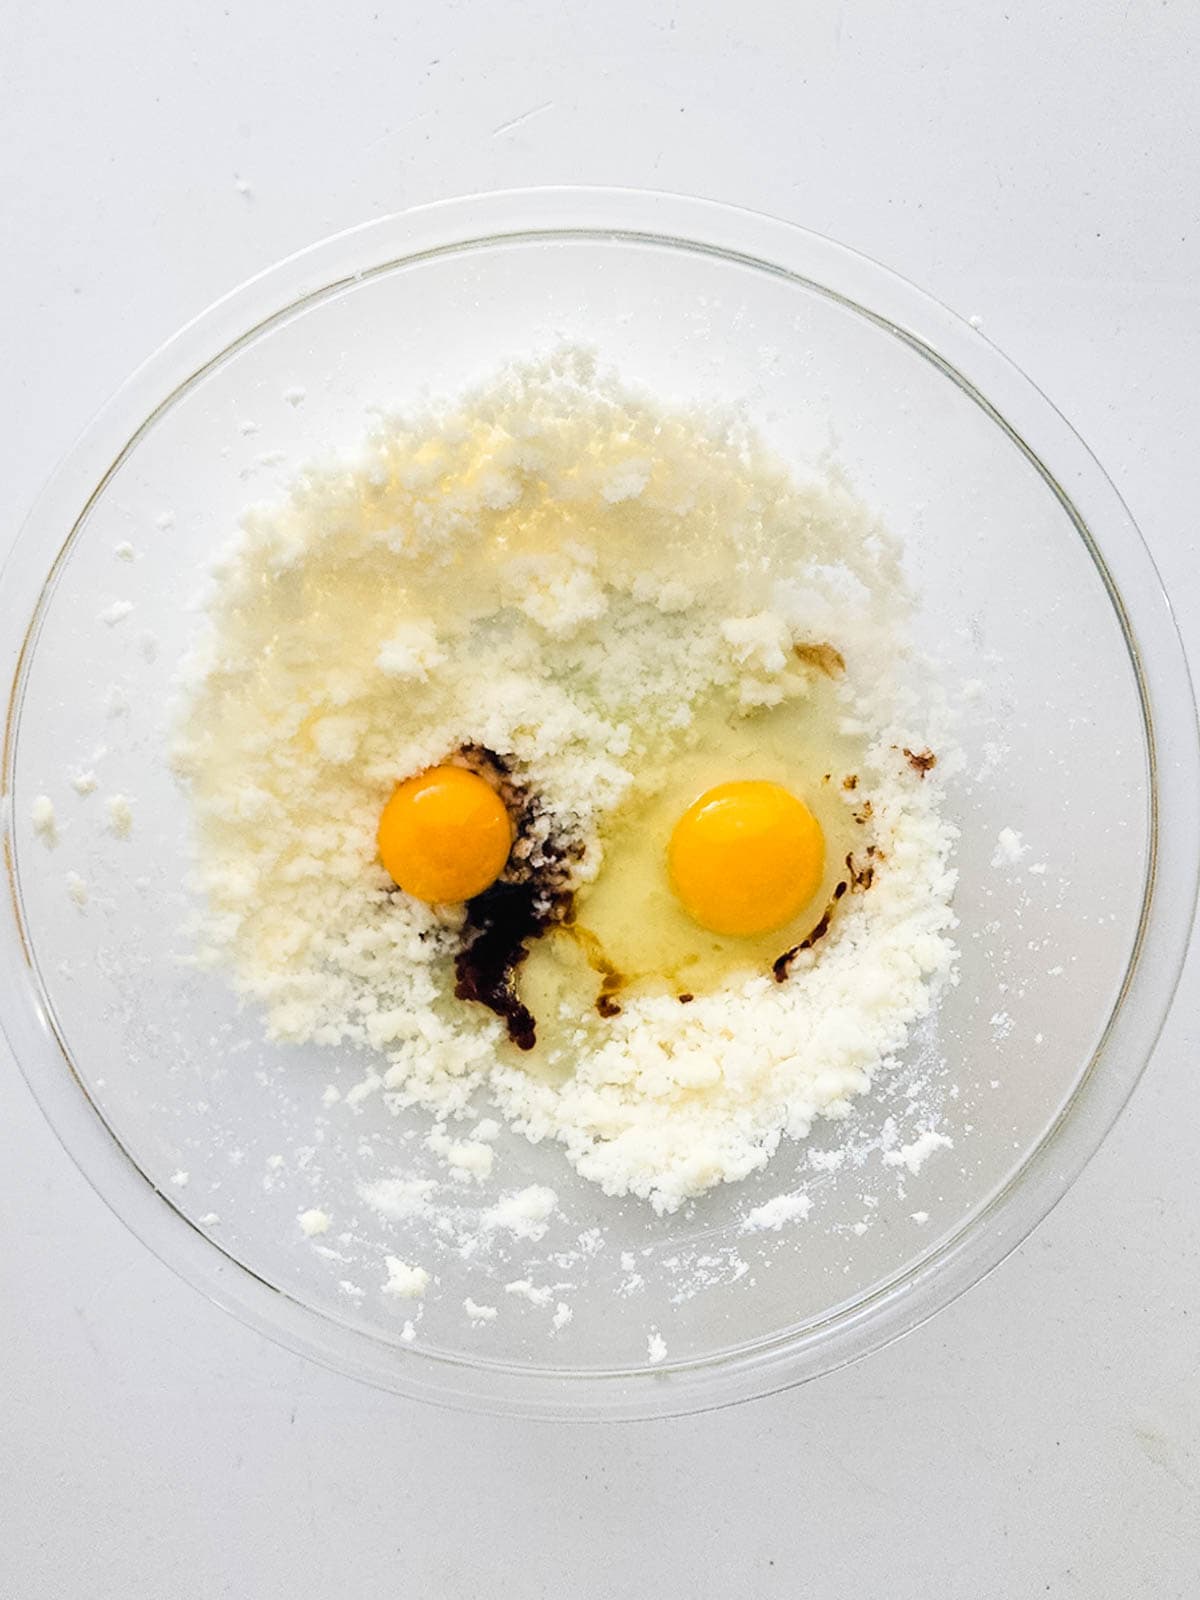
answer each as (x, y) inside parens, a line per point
(1036, 165)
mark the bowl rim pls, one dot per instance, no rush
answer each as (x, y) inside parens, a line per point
(1014, 404)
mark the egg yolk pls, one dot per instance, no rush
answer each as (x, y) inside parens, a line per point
(445, 835)
(745, 857)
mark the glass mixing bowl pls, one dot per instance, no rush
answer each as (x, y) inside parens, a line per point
(1036, 597)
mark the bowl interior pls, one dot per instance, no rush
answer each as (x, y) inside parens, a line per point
(234, 1132)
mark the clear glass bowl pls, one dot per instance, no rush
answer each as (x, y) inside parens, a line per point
(1080, 734)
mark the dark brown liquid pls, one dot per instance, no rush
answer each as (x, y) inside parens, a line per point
(500, 923)
(518, 908)
(921, 761)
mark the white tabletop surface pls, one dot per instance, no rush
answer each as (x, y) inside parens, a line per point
(1036, 165)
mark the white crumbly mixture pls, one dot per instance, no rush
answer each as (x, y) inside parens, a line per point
(775, 1213)
(404, 1281)
(526, 1213)
(466, 1158)
(45, 820)
(537, 1295)
(120, 815)
(1010, 847)
(478, 1313)
(915, 1155)
(561, 572)
(398, 1198)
